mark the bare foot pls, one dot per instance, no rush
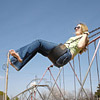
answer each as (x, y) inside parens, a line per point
(16, 55)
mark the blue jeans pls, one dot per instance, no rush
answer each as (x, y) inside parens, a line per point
(39, 46)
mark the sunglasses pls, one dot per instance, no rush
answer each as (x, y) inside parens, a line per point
(78, 27)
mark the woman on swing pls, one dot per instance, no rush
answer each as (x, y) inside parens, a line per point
(59, 54)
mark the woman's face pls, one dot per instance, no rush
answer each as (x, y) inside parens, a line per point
(78, 29)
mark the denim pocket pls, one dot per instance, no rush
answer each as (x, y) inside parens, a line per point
(64, 59)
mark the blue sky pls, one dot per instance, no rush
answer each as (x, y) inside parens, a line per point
(23, 21)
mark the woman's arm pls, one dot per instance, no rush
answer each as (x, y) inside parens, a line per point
(83, 41)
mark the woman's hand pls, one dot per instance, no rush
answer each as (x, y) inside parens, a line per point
(86, 33)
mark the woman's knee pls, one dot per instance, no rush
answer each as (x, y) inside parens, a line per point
(38, 40)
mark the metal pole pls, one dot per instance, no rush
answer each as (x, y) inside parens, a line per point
(56, 83)
(89, 67)
(6, 88)
(78, 79)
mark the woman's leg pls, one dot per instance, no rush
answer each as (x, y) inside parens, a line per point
(30, 50)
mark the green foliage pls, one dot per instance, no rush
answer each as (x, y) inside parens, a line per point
(97, 94)
(16, 98)
(1, 95)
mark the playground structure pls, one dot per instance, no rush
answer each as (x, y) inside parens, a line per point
(79, 79)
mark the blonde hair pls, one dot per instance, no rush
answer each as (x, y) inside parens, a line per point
(84, 29)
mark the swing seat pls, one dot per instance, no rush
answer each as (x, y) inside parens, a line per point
(57, 52)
